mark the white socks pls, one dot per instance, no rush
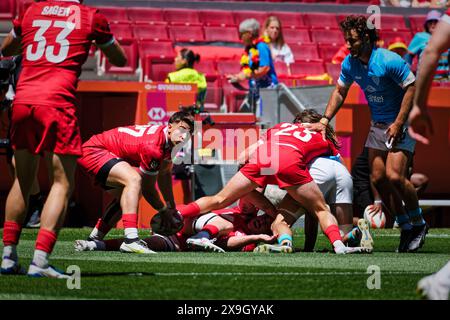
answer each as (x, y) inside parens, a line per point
(10, 252)
(131, 233)
(40, 258)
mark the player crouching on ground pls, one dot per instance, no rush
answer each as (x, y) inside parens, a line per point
(127, 161)
(232, 231)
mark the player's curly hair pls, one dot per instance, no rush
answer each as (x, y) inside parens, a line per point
(359, 24)
(312, 116)
(185, 117)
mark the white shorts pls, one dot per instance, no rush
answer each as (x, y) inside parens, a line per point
(200, 222)
(332, 177)
(376, 139)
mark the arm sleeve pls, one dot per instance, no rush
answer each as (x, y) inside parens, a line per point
(150, 163)
(345, 78)
(398, 70)
(101, 31)
(289, 57)
(264, 55)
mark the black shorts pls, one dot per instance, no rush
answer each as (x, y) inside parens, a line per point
(103, 173)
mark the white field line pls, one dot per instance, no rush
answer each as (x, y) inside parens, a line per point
(331, 273)
(436, 236)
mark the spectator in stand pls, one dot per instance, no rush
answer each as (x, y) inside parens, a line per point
(420, 42)
(256, 64)
(398, 46)
(414, 3)
(279, 49)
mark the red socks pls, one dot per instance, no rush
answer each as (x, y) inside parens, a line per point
(212, 230)
(130, 220)
(190, 211)
(333, 233)
(11, 233)
(46, 240)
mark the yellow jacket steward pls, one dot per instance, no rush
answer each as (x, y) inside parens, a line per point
(189, 75)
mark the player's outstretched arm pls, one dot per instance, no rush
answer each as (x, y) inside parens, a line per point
(10, 46)
(238, 242)
(150, 193)
(335, 102)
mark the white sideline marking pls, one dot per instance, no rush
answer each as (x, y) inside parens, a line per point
(195, 274)
(436, 236)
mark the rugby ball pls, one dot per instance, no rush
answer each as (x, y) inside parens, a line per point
(376, 221)
(175, 225)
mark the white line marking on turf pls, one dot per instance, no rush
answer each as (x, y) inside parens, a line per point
(437, 236)
(195, 274)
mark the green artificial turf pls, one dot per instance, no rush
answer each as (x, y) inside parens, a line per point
(200, 275)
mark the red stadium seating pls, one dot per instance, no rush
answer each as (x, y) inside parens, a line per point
(388, 36)
(156, 71)
(7, 9)
(321, 20)
(308, 83)
(301, 68)
(121, 30)
(216, 18)
(324, 36)
(221, 33)
(416, 22)
(233, 97)
(225, 67)
(155, 33)
(114, 14)
(214, 94)
(240, 16)
(296, 36)
(183, 16)
(305, 51)
(186, 33)
(208, 68)
(392, 22)
(289, 19)
(281, 69)
(131, 51)
(157, 50)
(327, 52)
(148, 15)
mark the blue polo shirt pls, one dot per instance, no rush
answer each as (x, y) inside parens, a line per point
(383, 81)
(265, 59)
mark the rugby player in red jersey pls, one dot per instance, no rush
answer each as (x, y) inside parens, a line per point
(281, 158)
(130, 160)
(54, 38)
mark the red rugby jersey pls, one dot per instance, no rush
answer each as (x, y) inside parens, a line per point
(56, 37)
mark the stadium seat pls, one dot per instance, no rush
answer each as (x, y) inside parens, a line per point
(221, 33)
(334, 70)
(114, 14)
(148, 15)
(232, 96)
(183, 16)
(327, 52)
(7, 9)
(416, 22)
(216, 18)
(121, 30)
(162, 50)
(324, 36)
(154, 33)
(208, 68)
(302, 68)
(305, 51)
(131, 51)
(296, 36)
(186, 33)
(225, 67)
(289, 19)
(240, 16)
(281, 69)
(388, 36)
(321, 20)
(214, 94)
(154, 71)
(392, 22)
(23, 5)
